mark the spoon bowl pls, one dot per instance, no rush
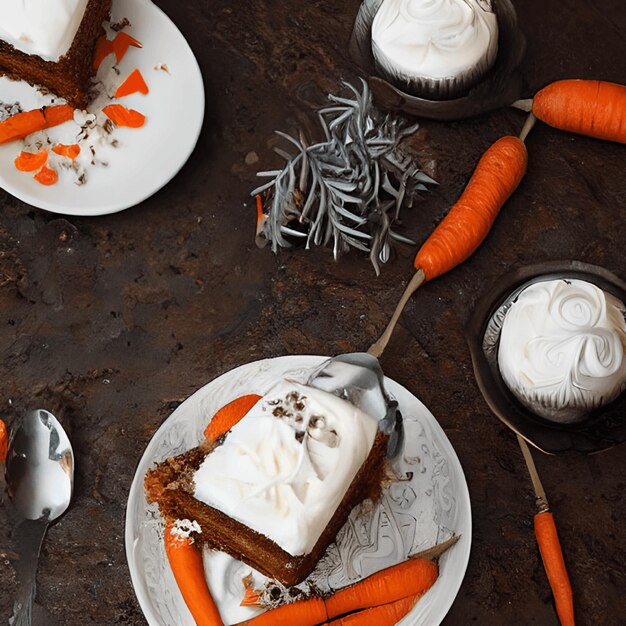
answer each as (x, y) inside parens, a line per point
(40, 479)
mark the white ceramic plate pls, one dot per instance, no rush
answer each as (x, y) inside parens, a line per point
(413, 514)
(146, 158)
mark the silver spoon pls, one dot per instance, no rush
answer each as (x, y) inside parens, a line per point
(40, 479)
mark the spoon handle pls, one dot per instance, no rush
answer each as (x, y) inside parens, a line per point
(30, 536)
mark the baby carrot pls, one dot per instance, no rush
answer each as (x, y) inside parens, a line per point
(384, 615)
(186, 563)
(588, 107)
(4, 442)
(23, 124)
(31, 161)
(229, 415)
(409, 578)
(134, 83)
(550, 548)
(466, 225)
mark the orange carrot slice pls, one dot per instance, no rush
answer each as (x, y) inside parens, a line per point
(70, 152)
(229, 415)
(23, 124)
(121, 116)
(104, 47)
(186, 563)
(46, 176)
(121, 43)
(31, 161)
(384, 615)
(409, 578)
(4, 442)
(554, 564)
(133, 84)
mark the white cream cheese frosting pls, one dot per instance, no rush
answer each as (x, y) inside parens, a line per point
(45, 28)
(562, 348)
(285, 467)
(434, 39)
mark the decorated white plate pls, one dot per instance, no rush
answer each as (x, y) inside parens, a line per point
(139, 161)
(429, 504)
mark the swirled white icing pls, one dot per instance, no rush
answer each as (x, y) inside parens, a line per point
(285, 467)
(435, 39)
(45, 28)
(562, 348)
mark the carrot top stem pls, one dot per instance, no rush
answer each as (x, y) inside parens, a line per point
(377, 348)
(528, 126)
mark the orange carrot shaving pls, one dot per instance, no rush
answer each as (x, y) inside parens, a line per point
(31, 161)
(186, 562)
(229, 415)
(46, 176)
(133, 84)
(23, 124)
(259, 213)
(121, 43)
(251, 598)
(497, 175)
(550, 548)
(4, 442)
(587, 107)
(384, 615)
(410, 578)
(70, 152)
(104, 47)
(121, 116)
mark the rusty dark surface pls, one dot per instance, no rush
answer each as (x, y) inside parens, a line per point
(118, 319)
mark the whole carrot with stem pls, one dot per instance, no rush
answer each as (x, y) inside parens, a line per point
(410, 578)
(468, 222)
(594, 108)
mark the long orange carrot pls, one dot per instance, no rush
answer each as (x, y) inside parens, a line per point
(550, 548)
(31, 161)
(588, 107)
(186, 563)
(409, 578)
(23, 124)
(384, 615)
(4, 442)
(229, 415)
(466, 225)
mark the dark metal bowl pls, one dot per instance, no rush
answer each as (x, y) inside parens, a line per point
(602, 428)
(499, 88)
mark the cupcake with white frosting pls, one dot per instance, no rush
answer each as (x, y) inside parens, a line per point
(562, 348)
(437, 49)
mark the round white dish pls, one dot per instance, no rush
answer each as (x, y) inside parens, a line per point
(146, 158)
(419, 513)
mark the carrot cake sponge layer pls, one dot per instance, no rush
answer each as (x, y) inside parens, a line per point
(279, 486)
(51, 43)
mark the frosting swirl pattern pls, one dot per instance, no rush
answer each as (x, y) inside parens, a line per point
(562, 348)
(435, 39)
(45, 28)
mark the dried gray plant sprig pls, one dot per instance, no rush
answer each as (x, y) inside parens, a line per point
(347, 190)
